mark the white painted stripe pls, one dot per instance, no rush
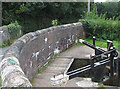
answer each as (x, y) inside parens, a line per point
(81, 40)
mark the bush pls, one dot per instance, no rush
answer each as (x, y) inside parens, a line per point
(100, 27)
(55, 22)
(7, 43)
(14, 30)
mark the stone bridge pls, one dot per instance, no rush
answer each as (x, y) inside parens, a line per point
(27, 55)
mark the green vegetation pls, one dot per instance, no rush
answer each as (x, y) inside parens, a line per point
(6, 43)
(14, 30)
(100, 27)
(102, 86)
(101, 22)
(110, 7)
(55, 22)
(0, 81)
(101, 43)
(38, 15)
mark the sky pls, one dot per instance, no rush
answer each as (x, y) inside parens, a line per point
(106, 0)
(99, 0)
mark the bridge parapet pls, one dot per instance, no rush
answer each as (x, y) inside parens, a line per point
(27, 55)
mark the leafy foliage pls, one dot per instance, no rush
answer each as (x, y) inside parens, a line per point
(100, 27)
(55, 22)
(110, 8)
(14, 30)
(101, 43)
(37, 15)
(6, 43)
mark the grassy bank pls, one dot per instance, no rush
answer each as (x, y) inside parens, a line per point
(102, 43)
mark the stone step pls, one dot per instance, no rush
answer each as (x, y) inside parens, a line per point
(45, 83)
(60, 65)
(41, 82)
(45, 76)
(55, 70)
(58, 61)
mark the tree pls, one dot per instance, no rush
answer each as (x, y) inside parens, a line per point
(37, 15)
(110, 8)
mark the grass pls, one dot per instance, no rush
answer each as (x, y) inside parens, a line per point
(102, 43)
(0, 81)
(97, 43)
(8, 42)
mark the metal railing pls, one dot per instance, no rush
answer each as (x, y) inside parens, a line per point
(99, 53)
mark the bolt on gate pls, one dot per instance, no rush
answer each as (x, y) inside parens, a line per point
(97, 63)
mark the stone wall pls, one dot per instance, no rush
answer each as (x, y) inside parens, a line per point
(30, 52)
(4, 35)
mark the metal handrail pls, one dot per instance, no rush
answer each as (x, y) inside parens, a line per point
(87, 67)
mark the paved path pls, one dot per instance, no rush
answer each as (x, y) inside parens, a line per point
(61, 64)
(2, 51)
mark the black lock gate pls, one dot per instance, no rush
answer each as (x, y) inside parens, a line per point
(98, 61)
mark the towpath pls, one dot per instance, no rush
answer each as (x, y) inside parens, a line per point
(62, 64)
